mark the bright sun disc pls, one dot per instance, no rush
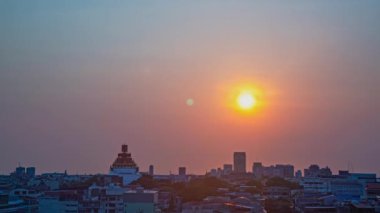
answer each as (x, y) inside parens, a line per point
(246, 101)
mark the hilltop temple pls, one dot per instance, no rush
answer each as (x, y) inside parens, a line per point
(125, 167)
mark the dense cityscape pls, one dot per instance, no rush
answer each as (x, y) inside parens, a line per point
(230, 188)
(168, 106)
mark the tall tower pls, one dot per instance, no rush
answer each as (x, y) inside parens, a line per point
(151, 170)
(239, 162)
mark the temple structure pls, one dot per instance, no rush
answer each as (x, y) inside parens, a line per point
(125, 167)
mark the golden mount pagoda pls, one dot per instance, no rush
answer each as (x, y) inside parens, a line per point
(125, 167)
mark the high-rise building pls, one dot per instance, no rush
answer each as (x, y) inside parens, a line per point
(298, 174)
(182, 171)
(151, 170)
(257, 169)
(227, 169)
(239, 162)
(20, 171)
(285, 170)
(31, 171)
(214, 172)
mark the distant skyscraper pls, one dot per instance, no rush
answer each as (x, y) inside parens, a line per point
(182, 171)
(214, 172)
(20, 171)
(239, 162)
(151, 170)
(298, 174)
(285, 170)
(31, 171)
(227, 169)
(257, 169)
(219, 171)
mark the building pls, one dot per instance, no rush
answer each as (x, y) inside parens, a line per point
(373, 190)
(140, 200)
(286, 171)
(223, 204)
(20, 171)
(315, 185)
(279, 170)
(364, 177)
(315, 171)
(277, 192)
(182, 171)
(31, 172)
(347, 190)
(257, 169)
(345, 186)
(151, 170)
(214, 172)
(239, 162)
(59, 201)
(315, 203)
(116, 199)
(12, 204)
(103, 199)
(298, 174)
(125, 167)
(227, 169)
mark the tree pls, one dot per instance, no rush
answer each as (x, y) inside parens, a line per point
(277, 181)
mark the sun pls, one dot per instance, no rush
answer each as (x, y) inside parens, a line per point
(246, 100)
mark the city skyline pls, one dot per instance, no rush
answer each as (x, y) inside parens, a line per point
(238, 165)
(79, 79)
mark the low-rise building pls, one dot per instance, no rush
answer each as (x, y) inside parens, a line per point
(117, 199)
(315, 171)
(61, 201)
(278, 170)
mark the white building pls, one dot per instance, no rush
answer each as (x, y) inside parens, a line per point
(315, 185)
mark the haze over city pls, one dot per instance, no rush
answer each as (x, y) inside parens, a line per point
(78, 79)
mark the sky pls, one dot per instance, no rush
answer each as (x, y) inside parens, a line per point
(80, 78)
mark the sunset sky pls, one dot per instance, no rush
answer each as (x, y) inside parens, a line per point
(80, 78)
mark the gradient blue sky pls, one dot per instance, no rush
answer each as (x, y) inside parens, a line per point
(79, 78)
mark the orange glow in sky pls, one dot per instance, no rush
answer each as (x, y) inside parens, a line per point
(293, 83)
(245, 98)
